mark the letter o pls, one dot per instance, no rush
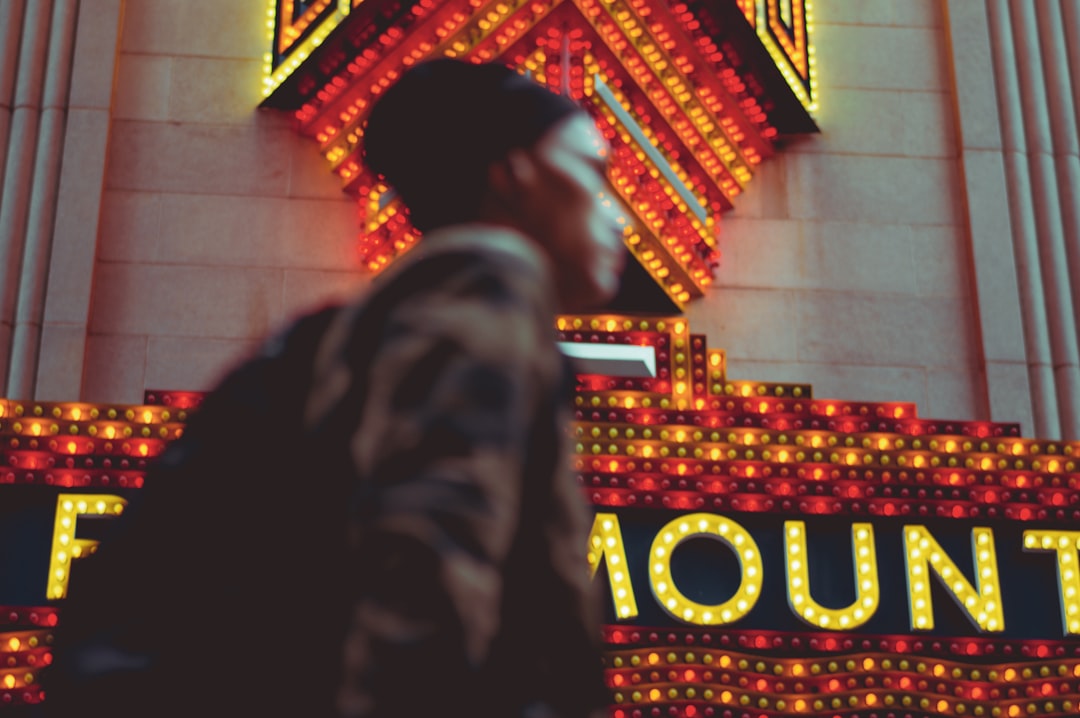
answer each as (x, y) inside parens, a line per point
(717, 528)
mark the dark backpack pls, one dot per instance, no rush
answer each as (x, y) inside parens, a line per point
(193, 585)
(239, 536)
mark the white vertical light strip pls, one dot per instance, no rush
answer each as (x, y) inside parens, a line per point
(19, 165)
(564, 65)
(655, 156)
(1022, 217)
(30, 306)
(1047, 203)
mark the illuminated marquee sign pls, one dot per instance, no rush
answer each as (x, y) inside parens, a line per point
(692, 97)
(763, 552)
(770, 553)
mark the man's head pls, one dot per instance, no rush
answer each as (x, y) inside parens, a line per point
(462, 142)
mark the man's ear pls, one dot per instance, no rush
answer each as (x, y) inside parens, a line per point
(512, 176)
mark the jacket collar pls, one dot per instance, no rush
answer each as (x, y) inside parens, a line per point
(485, 238)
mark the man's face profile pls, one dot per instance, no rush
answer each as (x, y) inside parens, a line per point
(573, 213)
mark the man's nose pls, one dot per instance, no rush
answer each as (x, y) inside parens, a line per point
(616, 211)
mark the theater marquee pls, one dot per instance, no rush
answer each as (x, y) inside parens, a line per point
(764, 552)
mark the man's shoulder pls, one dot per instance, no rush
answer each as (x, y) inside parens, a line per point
(471, 279)
(466, 300)
(476, 249)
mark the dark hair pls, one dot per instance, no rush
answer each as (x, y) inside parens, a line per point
(433, 134)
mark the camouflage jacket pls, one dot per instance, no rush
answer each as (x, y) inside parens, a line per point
(466, 531)
(371, 517)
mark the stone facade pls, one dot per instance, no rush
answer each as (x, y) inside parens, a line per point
(846, 263)
(858, 260)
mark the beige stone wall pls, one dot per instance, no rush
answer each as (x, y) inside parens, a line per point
(844, 265)
(218, 221)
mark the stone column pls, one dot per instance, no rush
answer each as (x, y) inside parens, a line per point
(66, 311)
(1017, 372)
(1022, 171)
(18, 169)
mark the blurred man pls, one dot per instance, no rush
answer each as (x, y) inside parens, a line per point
(435, 563)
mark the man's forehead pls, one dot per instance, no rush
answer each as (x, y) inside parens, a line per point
(581, 135)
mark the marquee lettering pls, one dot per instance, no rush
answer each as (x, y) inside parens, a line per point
(1066, 545)
(65, 547)
(605, 543)
(924, 559)
(982, 603)
(714, 527)
(867, 590)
